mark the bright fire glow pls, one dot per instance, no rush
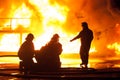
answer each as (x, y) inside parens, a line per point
(53, 17)
(115, 46)
(20, 18)
(21, 12)
(43, 18)
(9, 42)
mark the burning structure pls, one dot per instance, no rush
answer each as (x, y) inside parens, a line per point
(45, 17)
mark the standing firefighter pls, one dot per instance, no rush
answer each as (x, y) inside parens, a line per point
(86, 36)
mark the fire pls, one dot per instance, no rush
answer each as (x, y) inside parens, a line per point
(9, 42)
(20, 18)
(43, 18)
(22, 12)
(53, 17)
(93, 49)
(115, 46)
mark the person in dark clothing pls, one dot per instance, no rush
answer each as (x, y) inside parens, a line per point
(26, 53)
(48, 56)
(86, 36)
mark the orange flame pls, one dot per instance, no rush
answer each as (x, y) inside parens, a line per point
(43, 18)
(53, 18)
(115, 46)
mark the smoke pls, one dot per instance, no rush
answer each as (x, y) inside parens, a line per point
(102, 17)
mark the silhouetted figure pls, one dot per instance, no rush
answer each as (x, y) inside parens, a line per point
(48, 57)
(26, 53)
(86, 36)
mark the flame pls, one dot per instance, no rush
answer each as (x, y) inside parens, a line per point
(20, 18)
(22, 12)
(43, 18)
(93, 49)
(53, 18)
(9, 42)
(115, 46)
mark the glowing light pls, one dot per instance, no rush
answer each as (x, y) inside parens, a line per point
(53, 16)
(93, 49)
(115, 46)
(9, 42)
(22, 14)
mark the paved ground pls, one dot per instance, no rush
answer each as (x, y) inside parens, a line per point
(63, 73)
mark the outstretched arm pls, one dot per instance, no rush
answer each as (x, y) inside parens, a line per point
(73, 39)
(78, 36)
